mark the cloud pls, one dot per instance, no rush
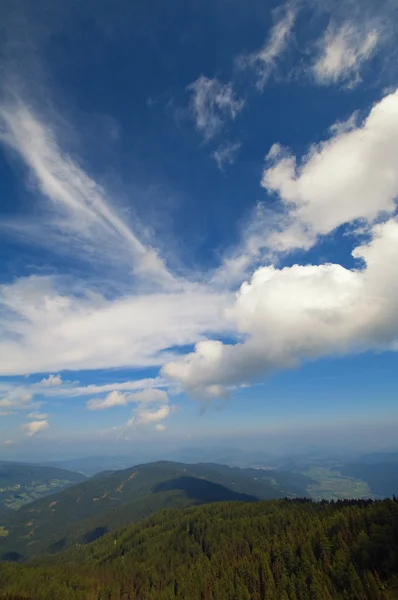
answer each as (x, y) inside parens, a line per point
(160, 427)
(89, 390)
(348, 125)
(34, 427)
(15, 398)
(38, 416)
(302, 313)
(5, 403)
(8, 442)
(252, 250)
(43, 328)
(212, 103)
(226, 154)
(111, 400)
(146, 416)
(78, 215)
(264, 60)
(342, 51)
(118, 399)
(52, 380)
(353, 175)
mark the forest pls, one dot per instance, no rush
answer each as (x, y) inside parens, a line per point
(277, 550)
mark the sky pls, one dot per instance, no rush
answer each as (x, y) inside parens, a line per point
(198, 224)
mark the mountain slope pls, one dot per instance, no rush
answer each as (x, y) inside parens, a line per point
(278, 550)
(382, 477)
(87, 510)
(21, 483)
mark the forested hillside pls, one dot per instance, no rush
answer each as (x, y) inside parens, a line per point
(86, 511)
(285, 550)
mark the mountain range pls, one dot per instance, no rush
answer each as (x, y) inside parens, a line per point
(88, 510)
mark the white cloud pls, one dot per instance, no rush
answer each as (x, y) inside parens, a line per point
(347, 125)
(34, 427)
(51, 381)
(343, 50)
(252, 250)
(90, 390)
(160, 427)
(146, 416)
(78, 216)
(353, 175)
(15, 398)
(301, 313)
(8, 442)
(111, 400)
(42, 329)
(118, 399)
(226, 154)
(212, 103)
(264, 60)
(38, 416)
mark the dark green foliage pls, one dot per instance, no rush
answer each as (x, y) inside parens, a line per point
(104, 503)
(275, 550)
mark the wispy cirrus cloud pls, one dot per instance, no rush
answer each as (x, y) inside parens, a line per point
(74, 390)
(212, 104)
(264, 61)
(78, 215)
(343, 50)
(226, 154)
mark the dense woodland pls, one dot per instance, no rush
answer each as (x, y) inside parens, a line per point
(282, 549)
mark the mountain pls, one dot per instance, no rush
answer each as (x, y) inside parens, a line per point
(381, 477)
(88, 510)
(274, 550)
(91, 465)
(21, 483)
(379, 457)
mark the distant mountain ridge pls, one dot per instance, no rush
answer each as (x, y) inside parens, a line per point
(89, 509)
(20, 483)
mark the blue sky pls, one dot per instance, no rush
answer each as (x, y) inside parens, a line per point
(198, 222)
